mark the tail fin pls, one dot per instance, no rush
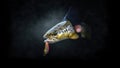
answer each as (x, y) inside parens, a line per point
(86, 31)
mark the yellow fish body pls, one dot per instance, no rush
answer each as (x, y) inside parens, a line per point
(61, 31)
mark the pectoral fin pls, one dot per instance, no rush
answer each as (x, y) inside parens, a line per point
(73, 36)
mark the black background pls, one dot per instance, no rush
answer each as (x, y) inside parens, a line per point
(28, 20)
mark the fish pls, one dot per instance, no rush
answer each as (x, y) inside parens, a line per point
(61, 31)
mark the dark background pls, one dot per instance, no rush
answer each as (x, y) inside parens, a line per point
(30, 19)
